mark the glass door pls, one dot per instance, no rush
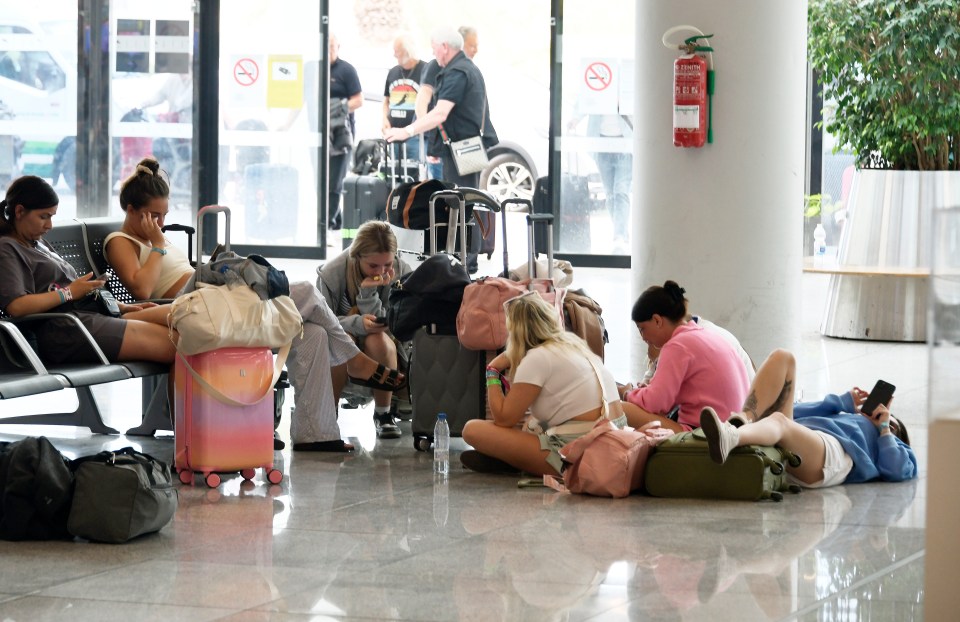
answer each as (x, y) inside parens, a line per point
(594, 141)
(270, 124)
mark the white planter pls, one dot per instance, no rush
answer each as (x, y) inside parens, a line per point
(880, 287)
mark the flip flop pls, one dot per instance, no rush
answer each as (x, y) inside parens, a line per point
(383, 379)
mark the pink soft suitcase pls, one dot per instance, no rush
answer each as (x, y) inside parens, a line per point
(213, 435)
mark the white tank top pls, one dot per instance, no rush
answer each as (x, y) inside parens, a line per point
(173, 265)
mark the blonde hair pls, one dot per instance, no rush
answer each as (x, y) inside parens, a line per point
(373, 237)
(532, 322)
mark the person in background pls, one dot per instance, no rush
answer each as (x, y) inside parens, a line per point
(436, 150)
(35, 279)
(553, 374)
(149, 266)
(400, 94)
(696, 367)
(355, 285)
(836, 441)
(470, 40)
(345, 89)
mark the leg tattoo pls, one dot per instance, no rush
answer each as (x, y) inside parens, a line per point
(785, 394)
(750, 406)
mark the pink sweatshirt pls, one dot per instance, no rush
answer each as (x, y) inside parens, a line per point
(697, 368)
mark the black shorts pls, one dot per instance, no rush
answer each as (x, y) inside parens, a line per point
(59, 341)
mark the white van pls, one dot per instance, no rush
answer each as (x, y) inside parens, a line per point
(38, 115)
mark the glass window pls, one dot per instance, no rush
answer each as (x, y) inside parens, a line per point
(269, 66)
(38, 95)
(151, 96)
(596, 145)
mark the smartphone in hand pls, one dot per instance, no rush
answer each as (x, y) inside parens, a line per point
(382, 320)
(882, 393)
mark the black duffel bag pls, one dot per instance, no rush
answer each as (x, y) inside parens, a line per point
(408, 205)
(428, 296)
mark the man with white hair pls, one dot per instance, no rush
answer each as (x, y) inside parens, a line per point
(400, 93)
(460, 104)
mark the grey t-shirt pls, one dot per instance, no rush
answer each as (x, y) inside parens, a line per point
(32, 270)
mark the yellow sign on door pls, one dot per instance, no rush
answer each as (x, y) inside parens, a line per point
(285, 81)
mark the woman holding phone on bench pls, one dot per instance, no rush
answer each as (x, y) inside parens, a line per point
(35, 279)
(837, 441)
(149, 266)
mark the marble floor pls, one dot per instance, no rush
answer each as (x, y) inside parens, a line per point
(374, 536)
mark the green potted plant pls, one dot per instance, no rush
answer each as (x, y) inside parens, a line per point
(890, 71)
(892, 68)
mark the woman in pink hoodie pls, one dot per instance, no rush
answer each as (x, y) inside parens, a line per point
(697, 368)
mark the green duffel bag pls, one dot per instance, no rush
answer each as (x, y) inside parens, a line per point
(681, 467)
(120, 495)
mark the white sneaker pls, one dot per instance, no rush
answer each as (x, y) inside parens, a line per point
(722, 437)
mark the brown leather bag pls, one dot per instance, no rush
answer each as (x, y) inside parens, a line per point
(583, 316)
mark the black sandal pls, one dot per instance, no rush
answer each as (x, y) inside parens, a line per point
(383, 379)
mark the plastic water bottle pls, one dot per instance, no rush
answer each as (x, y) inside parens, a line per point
(441, 499)
(819, 245)
(441, 445)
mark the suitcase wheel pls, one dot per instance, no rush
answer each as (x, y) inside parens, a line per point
(422, 442)
(212, 480)
(185, 476)
(248, 474)
(274, 476)
(776, 496)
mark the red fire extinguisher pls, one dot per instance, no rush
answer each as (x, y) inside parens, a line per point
(692, 86)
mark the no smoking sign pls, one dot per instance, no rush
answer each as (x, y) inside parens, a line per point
(598, 76)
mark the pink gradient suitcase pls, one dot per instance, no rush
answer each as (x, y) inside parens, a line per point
(213, 435)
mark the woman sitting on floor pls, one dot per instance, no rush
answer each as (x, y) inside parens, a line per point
(149, 266)
(836, 442)
(553, 374)
(696, 367)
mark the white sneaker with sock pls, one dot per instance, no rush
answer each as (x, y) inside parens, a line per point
(722, 437)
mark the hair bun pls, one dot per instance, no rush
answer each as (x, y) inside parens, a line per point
(676, 292)
(143, 168)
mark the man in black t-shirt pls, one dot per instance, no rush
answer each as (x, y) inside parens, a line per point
(400, 93)
(461, 104)
(344, 87)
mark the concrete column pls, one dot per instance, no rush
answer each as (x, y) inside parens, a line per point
(725, 221)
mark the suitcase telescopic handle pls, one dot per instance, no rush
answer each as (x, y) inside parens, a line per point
(461, 207)
(211, 209)
(527, 203)
(532, 220)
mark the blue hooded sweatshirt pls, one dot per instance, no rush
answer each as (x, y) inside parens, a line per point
(874, 457)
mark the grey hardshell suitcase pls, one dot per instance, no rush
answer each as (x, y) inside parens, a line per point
(681, 467)
(444, 376)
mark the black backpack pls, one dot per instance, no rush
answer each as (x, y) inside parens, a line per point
(408, 205)
(36, 491)
(430, 295)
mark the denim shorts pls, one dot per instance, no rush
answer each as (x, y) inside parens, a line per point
(555, 442)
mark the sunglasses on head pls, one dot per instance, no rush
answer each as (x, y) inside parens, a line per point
(506, 303)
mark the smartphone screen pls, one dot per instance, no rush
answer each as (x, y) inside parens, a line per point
(882, 393)
(381, 320)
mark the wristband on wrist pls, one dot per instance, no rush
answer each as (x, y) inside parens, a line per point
(67, 294)
(410, 131)
(494, 382)
(63, 297)
(160, 251)
(884, 425)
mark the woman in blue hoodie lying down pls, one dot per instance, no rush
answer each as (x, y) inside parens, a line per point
(837, 443)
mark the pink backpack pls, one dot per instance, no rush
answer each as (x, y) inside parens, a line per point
(482, 322)
(607, 461)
